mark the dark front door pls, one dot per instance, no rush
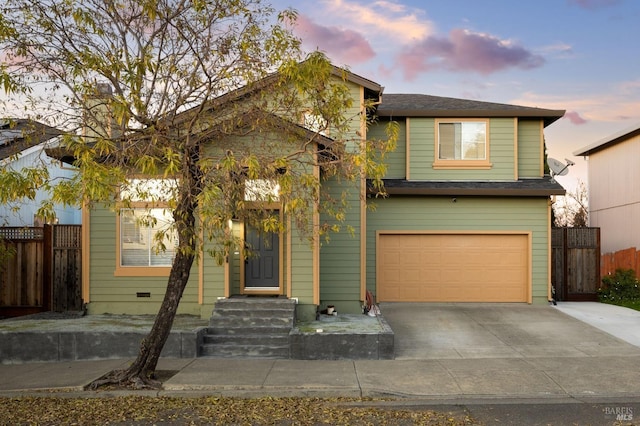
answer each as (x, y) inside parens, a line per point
(262, 267)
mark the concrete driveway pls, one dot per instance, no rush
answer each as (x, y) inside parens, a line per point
(487, 330)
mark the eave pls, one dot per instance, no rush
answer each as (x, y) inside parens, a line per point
(609, 141)
(29, 133)
(542, 187)
(418, 105)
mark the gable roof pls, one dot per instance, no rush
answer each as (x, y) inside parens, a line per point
(274, 122)
(357, 79)
(415, 105)
(17, 135)
(266, 82)
(609, 141)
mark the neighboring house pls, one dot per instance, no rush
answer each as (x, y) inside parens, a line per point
(467, 219)
(614, 189)
(22, 145)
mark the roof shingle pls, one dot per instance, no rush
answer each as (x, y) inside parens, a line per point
(416, 105)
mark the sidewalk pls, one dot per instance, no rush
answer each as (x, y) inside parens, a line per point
(556, 380)
(608, 371)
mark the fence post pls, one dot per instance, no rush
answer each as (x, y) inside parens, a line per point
(565, 263)
(47, 268)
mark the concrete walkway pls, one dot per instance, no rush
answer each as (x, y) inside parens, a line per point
(620, 322)
(444, 353)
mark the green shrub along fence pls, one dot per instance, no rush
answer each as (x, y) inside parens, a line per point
(621, 288)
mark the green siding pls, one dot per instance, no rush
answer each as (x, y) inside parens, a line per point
(422, 152)
(213, 282)
(467, 214)
(529, 149)
(396, 161)
(340, 258)
(422, 149)
(117, 295)
(301, 269)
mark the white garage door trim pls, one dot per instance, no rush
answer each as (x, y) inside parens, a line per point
(527, 234)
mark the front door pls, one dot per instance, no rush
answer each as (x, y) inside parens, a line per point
(262, 267)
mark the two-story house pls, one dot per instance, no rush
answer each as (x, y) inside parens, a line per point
(466, 218)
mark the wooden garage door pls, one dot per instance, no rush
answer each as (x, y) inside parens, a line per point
(452, 268)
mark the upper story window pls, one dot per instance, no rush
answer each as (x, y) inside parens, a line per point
(315, 123)
(263, 190)
(462, 144)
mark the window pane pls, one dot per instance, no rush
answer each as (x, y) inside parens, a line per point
(462, 141)
(447, 140)
(138, 244)
(148, 190)
(315, 123)
(473, 141)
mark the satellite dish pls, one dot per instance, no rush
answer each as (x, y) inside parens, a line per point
(558, 168)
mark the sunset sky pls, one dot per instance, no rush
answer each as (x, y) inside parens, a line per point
(582, 56)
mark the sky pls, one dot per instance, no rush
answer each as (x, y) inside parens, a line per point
(582, 56)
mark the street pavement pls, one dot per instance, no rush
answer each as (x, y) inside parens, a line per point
(503, 362)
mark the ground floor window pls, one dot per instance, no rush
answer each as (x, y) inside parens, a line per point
(147, 238)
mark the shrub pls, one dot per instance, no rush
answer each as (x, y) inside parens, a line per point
(620, 287)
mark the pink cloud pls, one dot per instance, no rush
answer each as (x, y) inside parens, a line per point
(466, 51)
(385, 71)
(574, 117)
(10, 59)
(344, 45)
(594, 4)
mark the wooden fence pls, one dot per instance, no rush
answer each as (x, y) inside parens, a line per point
(43, 272)
(621, 259)
(66, 267)
(575, 263)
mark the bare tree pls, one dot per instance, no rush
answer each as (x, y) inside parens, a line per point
(573, 208)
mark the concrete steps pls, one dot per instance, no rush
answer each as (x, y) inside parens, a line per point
(249, 327)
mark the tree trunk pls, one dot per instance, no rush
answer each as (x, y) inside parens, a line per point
(141, 373)
(151, 346)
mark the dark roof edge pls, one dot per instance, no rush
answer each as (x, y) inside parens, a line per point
(524, 188)
(356, 79)
(475, 192)
(549, 116)
(609, 141)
